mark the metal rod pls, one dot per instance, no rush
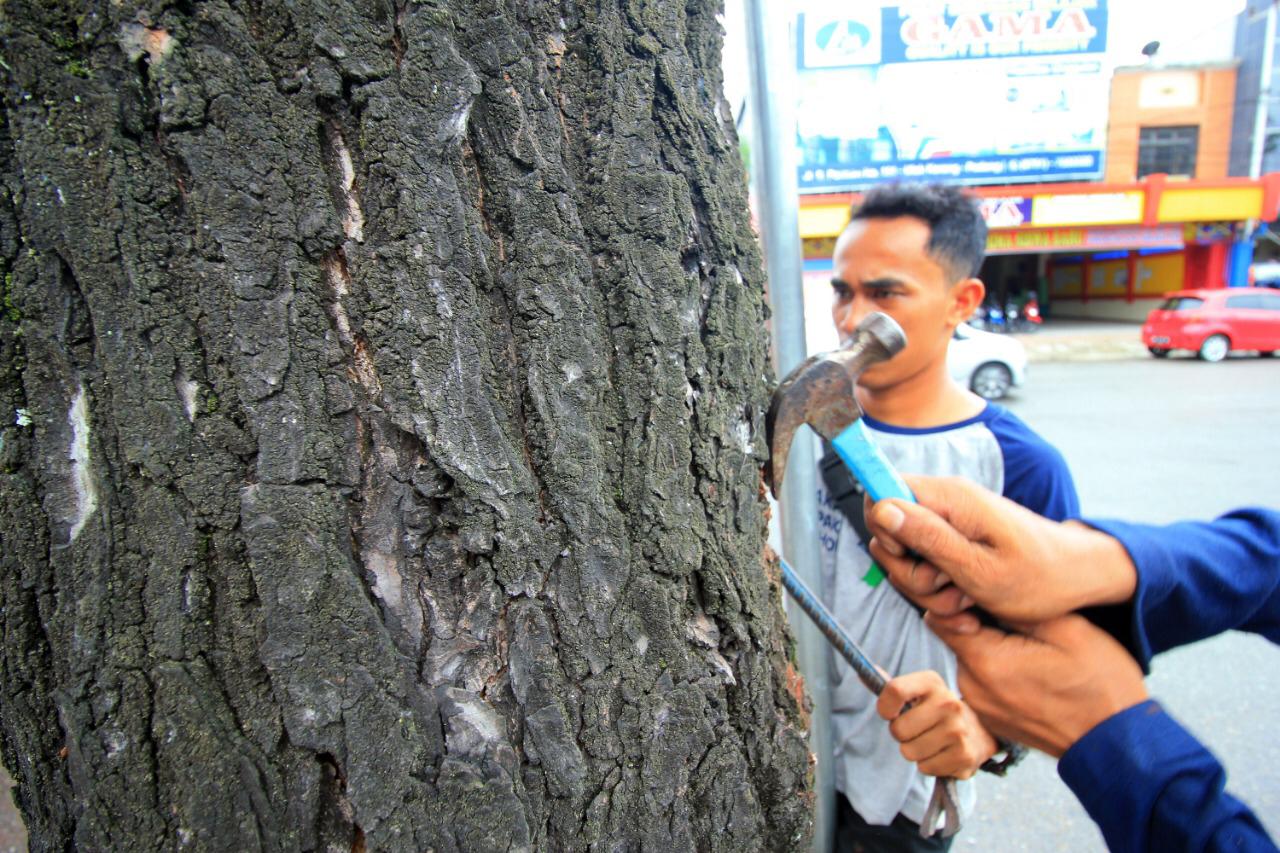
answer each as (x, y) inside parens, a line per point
(945, 799)
(867, 672)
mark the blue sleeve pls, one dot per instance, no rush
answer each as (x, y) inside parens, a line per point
(1150, 786)
(1198, 579)
(1035, 474)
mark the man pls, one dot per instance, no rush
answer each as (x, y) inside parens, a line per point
(1068, 687)
(913, 252)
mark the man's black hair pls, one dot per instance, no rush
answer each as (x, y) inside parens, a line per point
(957, 231)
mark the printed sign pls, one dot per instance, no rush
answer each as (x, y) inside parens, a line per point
(1006, 212)
(974, 92)
(848, 34)
(1203, 233)
(839, 41)
(1083, 239)
(960, 31)
(1088, 209)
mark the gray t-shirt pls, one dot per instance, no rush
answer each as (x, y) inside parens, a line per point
(994, 449)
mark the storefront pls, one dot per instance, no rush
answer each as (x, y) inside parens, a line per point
(1105, 251)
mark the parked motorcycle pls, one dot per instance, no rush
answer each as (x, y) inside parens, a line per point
(1028, 320)
(992, 318)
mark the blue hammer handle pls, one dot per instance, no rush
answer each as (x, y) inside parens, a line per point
(867, 461)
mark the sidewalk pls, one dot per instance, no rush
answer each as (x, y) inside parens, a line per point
(1084, 340)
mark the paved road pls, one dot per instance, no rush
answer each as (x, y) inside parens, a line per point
(1159, 441)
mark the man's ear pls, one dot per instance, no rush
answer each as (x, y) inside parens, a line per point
(966, 295)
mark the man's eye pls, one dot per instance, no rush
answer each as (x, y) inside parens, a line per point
(840, 291)
(882, 292)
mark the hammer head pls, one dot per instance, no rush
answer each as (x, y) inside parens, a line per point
(819, 391)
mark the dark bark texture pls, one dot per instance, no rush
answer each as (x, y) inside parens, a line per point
(382, 390)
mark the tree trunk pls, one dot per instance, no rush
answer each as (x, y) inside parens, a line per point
(382, 391)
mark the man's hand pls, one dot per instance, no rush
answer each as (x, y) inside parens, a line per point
(940, 733)
(1046, 688)
(976, 546)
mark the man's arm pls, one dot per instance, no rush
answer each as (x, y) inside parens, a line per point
(1186, 581)
(1149, 785)
(1198, 579)
(1068, 688)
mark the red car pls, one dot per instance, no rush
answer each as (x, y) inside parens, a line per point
(1214, 322)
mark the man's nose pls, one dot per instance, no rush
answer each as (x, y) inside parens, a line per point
(851, 313)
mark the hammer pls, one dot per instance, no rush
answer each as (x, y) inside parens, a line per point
(819, 392)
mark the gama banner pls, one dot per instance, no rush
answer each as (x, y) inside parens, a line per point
(970, 92)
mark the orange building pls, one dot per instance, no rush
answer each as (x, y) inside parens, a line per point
(1170, 120)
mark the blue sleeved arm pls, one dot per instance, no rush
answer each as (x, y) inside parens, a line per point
(1146, 782)
(1035, 474)
(1198, 579)
(1150, 786)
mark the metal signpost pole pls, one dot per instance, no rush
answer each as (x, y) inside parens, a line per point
(773, 167)
(1238, 275)
(1261, 119)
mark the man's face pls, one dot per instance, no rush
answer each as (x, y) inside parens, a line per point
(883, 265)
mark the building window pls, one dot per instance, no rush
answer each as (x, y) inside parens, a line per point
(1171, 150)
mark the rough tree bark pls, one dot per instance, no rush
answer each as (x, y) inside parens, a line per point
(382, 389)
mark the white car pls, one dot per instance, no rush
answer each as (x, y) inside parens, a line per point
(986, 363)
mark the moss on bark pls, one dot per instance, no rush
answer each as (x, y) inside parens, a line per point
(391, 381)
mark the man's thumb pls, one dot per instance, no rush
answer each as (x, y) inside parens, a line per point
(921, 530)
(965, 636)
(957, 627)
